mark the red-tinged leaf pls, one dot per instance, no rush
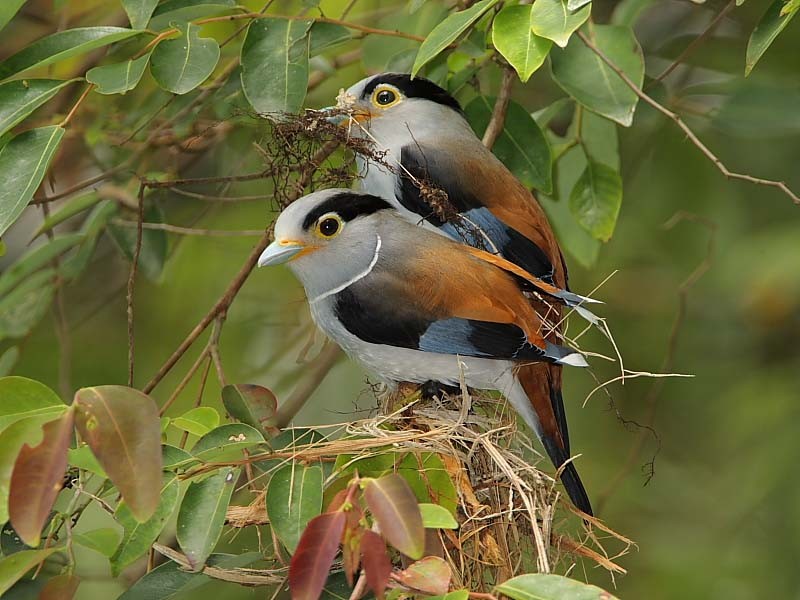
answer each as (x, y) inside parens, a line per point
(431, 575)
(37, 478)
(377, 566)
(122, 428)
(351, 542)
(314, 556)
(14, 566)
(395, 508)
(61, 587)
(251, 404)
(338, 501)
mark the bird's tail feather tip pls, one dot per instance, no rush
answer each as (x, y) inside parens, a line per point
(575, 490)
(564, 356)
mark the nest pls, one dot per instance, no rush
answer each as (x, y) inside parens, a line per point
(512, 518)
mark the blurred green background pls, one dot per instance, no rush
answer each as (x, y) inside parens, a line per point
(720, 517)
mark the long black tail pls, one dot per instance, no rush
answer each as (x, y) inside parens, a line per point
(569, 476)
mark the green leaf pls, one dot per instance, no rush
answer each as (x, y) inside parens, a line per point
(174, 457)
(7, 361)
(326, 35)
(138, 537)
(122, 428)
(585, 77)
(448, 31)
(139, 11)
(427, 476)
(552, 19)
(61, 46)
(104, 540)
(198, 421)
(430, 575)
(13, 567)
(202, 515)
(596, 199)
(598, 137)
(118, 78)
(437, 517)
(226, 442)
(251, 404)
(576, 4)
(454, 595)
(550, 587)
(73, 266)
(154, 243)
(23, 398)
(21, 97)
(23, 163)
(37, 479)
(60, 587)
(627, 12)
(21, 309)
(182, 11)
(9, 8)
(68, 209)
(275, 65)
(521, 146)
(769, 27)
(395, 508)
(294, 497)
(514, 39)
(25, 431)
(83, 458)
(170, 580)
(36, 259)
(180, 65)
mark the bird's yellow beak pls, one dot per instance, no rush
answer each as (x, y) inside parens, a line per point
(280, 251)
(359, 115)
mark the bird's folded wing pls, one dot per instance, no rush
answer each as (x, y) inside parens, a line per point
(443, 299)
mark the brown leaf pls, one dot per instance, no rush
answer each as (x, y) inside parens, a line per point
(37, 478)
(122, 428)
(377, 566)
(61, 587)
(252, 404)
(431, 575)
(314, 556)
(351, 542)
(395, 508)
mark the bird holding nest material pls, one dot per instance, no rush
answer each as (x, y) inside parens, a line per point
(414, 306)
(437, 172)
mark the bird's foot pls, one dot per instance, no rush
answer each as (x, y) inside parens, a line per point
(436, 389)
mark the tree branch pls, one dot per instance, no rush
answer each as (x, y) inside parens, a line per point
(132, 281)
(685, 128)
(327, 358)
(497, 122)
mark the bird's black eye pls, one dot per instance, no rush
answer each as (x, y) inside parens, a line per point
(385, 97)
(329, 226)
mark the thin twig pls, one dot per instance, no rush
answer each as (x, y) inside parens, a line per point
(189, 230)
(497, 122)
(132, 281)
(77, 104)
(685, 128)
(694, 44)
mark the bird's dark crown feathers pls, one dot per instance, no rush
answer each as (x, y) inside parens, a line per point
(348, 205)
(418, 87)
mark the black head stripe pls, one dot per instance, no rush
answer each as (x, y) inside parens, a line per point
(348, 206)
(419, 87)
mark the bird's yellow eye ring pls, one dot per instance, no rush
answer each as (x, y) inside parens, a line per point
(385, 96)
(329, 226)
